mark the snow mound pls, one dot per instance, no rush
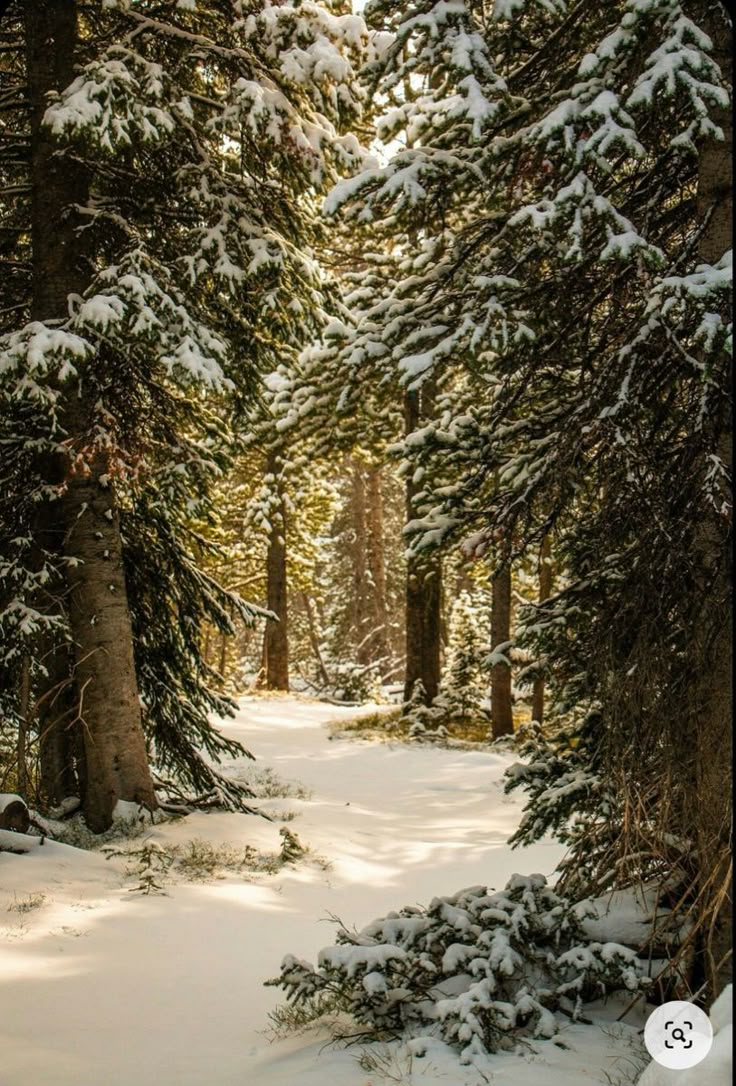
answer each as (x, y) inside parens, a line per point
(717, 1067)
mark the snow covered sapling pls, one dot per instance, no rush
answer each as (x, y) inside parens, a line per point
(478, 969)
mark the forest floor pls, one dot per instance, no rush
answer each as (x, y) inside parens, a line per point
(104, 985)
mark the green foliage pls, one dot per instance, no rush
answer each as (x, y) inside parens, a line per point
(478, 969)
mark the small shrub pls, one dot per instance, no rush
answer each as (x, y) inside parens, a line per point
(267, 785)
(150, 864)
(26, 904)
(478, 969)
(291, 847)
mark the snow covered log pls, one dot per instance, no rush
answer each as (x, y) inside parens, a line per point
(14, 813)
(19, 843)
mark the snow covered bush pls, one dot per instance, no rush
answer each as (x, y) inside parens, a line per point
(355, 682)
(478, 969)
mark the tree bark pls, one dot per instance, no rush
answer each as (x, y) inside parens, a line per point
(23, 727)
(276, 636)
(502, 719)
(314, 639)
(360, 589)
(423, 581)
(99, 617)
(545, 591)
(379, 646)
(712, 700)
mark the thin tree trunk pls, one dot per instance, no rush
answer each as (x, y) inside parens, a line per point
(502, 720)
(423, 583)
(276, 636)
(23, 727)
(223, 655)
(99, 617)
(377, 566)
(359, 533)
(313, 639)
(711, 702)
(545, 591)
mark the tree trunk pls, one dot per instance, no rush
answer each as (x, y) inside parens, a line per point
(545, 591)
(223, 655)
(99, 617)
(377, 565)
(314, 639)
(276, 636)
(423, 582)
(712, 696)
(358, 539)
(23, 727)
(109, 703)
(502, 720)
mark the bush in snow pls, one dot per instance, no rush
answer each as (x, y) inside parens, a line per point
(354, 682)
(478, 969)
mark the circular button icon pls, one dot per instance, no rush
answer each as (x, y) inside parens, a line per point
(678, 1035)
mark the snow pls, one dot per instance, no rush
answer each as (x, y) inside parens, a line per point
(6, 798)
(98, 983)
(717, 1067)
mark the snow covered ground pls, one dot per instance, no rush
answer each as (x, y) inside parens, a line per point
(99, 985)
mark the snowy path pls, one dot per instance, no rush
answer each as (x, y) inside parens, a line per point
(102, 987)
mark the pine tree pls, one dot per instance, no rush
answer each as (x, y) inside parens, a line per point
(566, 174)
(174, 155)
(464, 682)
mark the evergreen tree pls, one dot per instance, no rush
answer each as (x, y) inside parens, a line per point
(171, 156)
(463, 683)
(566, 174)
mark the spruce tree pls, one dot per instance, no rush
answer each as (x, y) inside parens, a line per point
(165, 172)
(565, 172)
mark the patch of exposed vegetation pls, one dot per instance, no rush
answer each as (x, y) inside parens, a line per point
(154, 864)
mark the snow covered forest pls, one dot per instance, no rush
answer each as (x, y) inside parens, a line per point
(365, 540)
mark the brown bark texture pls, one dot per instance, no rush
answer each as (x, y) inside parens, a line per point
(360, 598)
(379, 645)
(502, 719)
(276, 635)
(423, 583)
(545, 591)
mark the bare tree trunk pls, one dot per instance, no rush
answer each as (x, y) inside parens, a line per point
(313, 638)
(711, 704)
(360, 589)
(502, 719)
(276, 636)
(377, 565)
(99, 616)
(223, 655)
(23, 727)
(423, 583)
(545, 591)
